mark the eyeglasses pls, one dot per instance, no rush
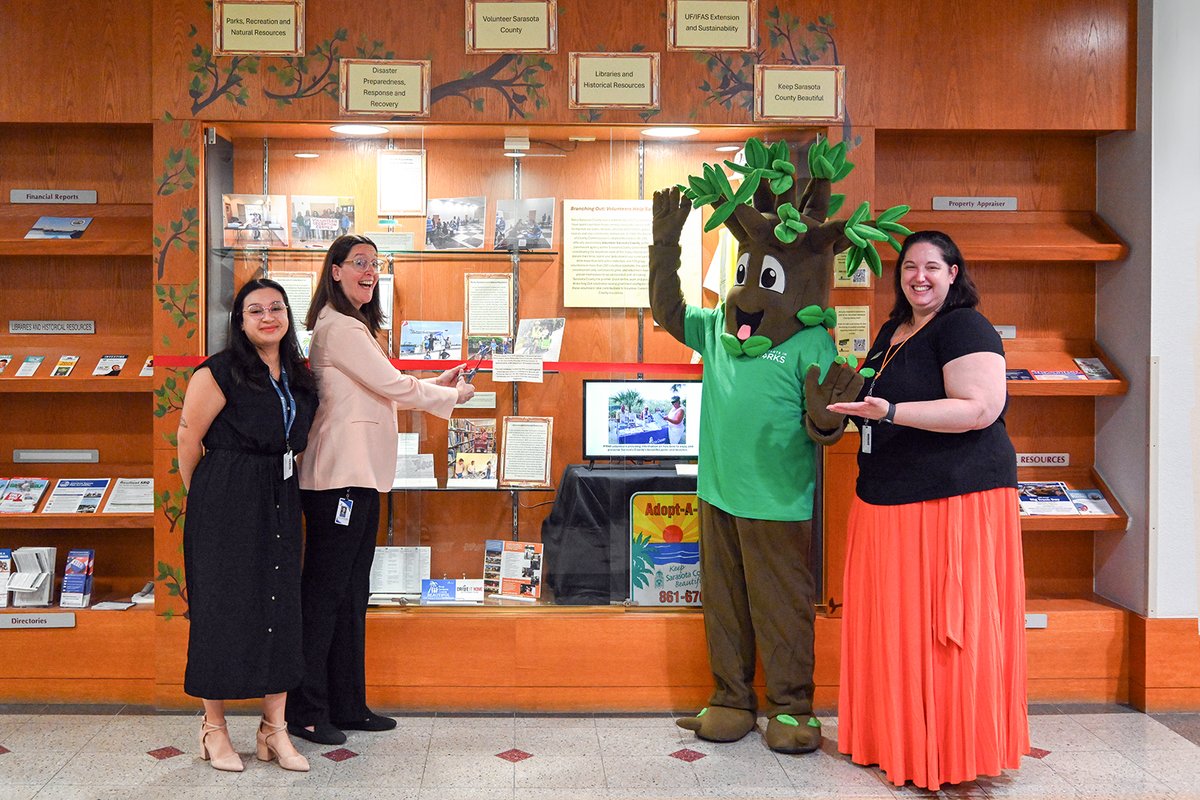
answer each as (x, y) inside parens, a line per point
(366, 264)
(258, 312)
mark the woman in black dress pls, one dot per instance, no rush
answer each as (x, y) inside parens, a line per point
(245, 417)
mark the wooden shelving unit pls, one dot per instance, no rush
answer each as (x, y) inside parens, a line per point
(1025, 235)
(115, 230)
(1059, 354)
(1074, 478)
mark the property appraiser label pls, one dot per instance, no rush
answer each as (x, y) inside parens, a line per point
(974, 204)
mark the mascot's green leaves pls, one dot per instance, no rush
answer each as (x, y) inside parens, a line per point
(811, 316)
(754, 347)
(789, 226)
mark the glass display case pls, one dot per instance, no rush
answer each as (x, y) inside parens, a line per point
(500, 243)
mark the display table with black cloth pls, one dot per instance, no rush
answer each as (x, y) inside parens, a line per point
(586, 536)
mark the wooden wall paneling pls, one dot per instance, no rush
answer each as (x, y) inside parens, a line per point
(111, 159)
(112, 291)
(1165, 664)
(1058, 65)
(77, 61)
(1058, 564)
(1044, 171)
(106, 422)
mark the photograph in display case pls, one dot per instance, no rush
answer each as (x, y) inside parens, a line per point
(431, 339)
(455, 223)
(524, 224)
(540, 337)
(319, 219)
(641, 419)
(254, 220)
(471, 451)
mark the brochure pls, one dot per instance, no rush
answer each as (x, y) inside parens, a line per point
(131, 496)
(5, 360)
(76, 496)
(64, 366)
(1057, 375)
(520, 570)
(109, 366)
(21, 496)
(33, 576)
(1090, 501)
(6, 568)
(452, 592)
(58, 228)
(1045, 497)
(1017, 375)
(1094, 369)
(29, 366)
(77, 579)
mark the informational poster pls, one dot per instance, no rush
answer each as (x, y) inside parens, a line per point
(400, 180)
(525, 460)
(853, 331)
(298, 286)
(859, 279)
(606, 260)
(489, 304)
(664, 549)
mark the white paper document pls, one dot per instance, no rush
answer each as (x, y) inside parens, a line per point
(131, 496)
(399, 570)
(509, 368)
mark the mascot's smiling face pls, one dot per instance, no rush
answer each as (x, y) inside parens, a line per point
(772, 282)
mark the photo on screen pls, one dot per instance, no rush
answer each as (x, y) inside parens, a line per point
(641, 419)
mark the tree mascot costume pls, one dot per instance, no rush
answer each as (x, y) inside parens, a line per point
(769, 372)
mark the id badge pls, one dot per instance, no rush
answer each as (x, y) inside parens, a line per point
(866, 438)
(288, 464)
(342, 517)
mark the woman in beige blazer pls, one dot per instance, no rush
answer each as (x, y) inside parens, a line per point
(351, 458)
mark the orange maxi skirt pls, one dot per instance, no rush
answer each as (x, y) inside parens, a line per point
(933, 639)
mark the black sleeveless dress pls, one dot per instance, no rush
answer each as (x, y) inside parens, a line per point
(242, 545)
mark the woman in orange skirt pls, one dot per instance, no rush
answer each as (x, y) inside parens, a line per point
(933, 630)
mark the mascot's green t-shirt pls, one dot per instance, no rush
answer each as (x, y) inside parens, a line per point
(756, 459)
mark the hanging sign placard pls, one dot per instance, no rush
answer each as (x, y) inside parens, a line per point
(615, 80)
(712, 24)
(375, 87)
(512, 26)
(258, 27)
(799, 94)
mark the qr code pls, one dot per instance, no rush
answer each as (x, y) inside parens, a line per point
(859, 345)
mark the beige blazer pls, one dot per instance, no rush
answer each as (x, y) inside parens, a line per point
(353, 437)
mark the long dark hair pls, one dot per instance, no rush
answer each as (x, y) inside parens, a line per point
(329, 293)
(248, 367)
(962, 292)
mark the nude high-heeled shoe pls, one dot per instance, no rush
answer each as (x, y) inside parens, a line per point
(230, 762)
(267, 751)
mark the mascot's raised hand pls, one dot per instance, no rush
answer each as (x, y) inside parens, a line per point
(841, 384)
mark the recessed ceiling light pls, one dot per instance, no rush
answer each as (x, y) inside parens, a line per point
(359, 130)
(670, 133)
(307, 155)
(729, 148)
(515, 154)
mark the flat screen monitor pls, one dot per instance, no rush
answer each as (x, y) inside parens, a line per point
(651, 420)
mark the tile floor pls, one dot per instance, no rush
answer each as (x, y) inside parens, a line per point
(93, 752)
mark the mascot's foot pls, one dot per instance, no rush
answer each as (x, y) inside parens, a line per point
(720, 724)
(786, 734)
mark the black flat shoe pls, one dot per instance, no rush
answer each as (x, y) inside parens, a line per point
(324, 733)
(372, 722)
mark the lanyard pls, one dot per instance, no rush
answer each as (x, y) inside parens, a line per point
(287, 402)
(888, 356)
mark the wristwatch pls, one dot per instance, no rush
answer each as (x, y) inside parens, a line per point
(890, 417)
